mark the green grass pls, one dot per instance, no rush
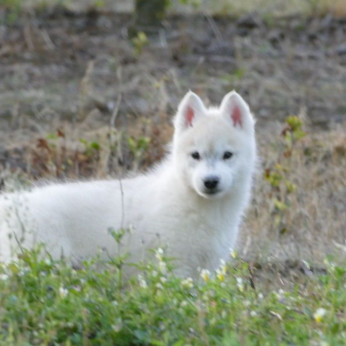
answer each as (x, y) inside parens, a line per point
(43, 302)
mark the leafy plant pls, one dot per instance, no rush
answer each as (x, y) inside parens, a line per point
(13, 8)
(91, 148)
(278, 174)
(48, 302)
(138, 147)
(234, 77)
(139, 42)
(52, 155)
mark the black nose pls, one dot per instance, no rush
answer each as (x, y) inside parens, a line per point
(211, 183)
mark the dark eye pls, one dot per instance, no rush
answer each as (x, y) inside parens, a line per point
(195, 155)
(227, 155)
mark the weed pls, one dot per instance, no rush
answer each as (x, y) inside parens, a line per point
(277, 175)
(295, 211)
(139, 42)
(46, 302)
(54, 156)
(13, 9)
(231, 79)
(138, 147)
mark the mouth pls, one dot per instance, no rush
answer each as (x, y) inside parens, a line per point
(211, 193)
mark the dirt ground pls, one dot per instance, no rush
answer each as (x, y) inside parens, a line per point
(281, 68)
(72, 82)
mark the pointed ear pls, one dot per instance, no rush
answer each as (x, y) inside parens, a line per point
(235, 109)
(190, 109)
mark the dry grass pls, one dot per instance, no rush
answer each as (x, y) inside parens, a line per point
(276, 8)
(229, 7)
(313, 226)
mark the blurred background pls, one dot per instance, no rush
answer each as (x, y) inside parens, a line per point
(88, 90)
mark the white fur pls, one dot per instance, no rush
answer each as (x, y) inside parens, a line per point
(169, 206)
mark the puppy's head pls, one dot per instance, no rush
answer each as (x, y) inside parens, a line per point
(212, 146)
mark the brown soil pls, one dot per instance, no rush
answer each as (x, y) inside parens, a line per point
(280, 67)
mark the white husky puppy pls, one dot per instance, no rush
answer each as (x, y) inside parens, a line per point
(192, 202)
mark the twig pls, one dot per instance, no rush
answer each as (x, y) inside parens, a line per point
(28, 38)
(119, 99)
(214, 28)
(48, 41)
(115, 111)
(122, 205)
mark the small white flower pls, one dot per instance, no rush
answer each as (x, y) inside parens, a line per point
(3, 277)
(240, 284)
(142, 282)
(205, 275)
(63, 292)
(48, 261)
(279, 294)
(183, 303)
(159, 286)
(330, 265)
(260, 296)
(233, 253)
(253, 313)
(163, 267)
(319, 314)
(324, 343)
(77, 288)
(221, 271)
(247, 303)
(188, 282)
(118, 325)
(159, 254)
